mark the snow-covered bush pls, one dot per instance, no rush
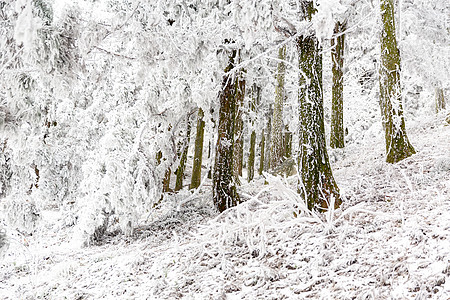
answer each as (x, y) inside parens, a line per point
(21, 213)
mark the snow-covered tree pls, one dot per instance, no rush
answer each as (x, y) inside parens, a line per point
(317, 183)
(398, 146)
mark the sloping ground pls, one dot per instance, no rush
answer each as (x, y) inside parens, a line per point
(390, 240)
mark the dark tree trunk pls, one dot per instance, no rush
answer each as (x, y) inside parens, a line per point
(224, 187)
(317, 184)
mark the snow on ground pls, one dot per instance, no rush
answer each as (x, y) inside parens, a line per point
(389, 240)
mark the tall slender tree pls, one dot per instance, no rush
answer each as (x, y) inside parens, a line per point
(398, 146)
(440, 100)
(198, 151)
(251, 158)
(224, 186)
(262, 146)
(317, 184)
(276, 141)
(337, 114)
(287, 143)
(268, 139)
(183, 159)
(238, 150)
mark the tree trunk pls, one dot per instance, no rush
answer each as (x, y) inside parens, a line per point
(398, 146)
(197, 168)
(261, 159)
(440, 100)
(252, 153)
(238, 128)
(182, 167)
(166, 181)
(317, 184)
(337, 57)
(287, 143)
(224, 187)
(268, 138)
(251, 157)
(210, 160)
(276, 141)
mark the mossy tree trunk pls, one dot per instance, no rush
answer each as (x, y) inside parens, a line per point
(337, 114)
(198, 151)
(317, 184)
(440, 100)
(398, 146)
(276, 141)
(182, 167)
(224, 186)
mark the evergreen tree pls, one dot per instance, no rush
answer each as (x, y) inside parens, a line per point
(398, 146)
(317, 184)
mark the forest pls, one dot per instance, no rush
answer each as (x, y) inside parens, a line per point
(224, 149)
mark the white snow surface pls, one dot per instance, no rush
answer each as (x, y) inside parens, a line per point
(389, 240)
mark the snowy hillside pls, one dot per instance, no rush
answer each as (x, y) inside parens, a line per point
(389, 240)
(225, 149)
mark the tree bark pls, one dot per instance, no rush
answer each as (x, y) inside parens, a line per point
(238, 128)
(287, 143)
(252, 152)
(276, 141)
(317, 184)
(261, 159)
(268, 141)
(224, 186)
(182, 167)
(166, 181)
(337, 57)
(440, 100)
(398, 146)
(197, 166)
